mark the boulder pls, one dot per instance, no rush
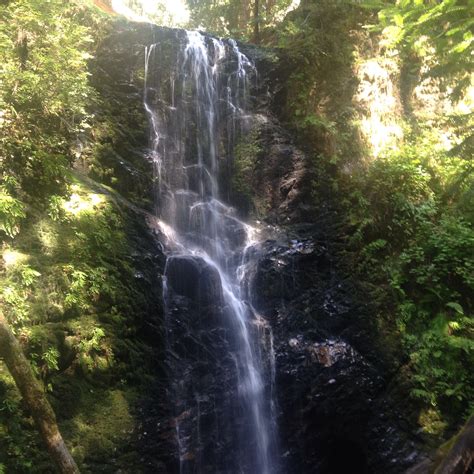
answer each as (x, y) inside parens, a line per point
(195, 279)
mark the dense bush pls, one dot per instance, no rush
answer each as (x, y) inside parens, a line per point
(423, 249)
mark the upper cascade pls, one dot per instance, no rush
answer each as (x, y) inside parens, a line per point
(197, 113)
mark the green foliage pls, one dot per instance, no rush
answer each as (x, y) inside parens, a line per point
(20, 450)
(441, 359)
(318, 46)
(432, 278)
(44, 49)
(45, 71)
(441, 30)
(93, 351)
(11, 213)
(50, 358)
(394, 197)
(411, 237)
(238, 18)
(15, 289)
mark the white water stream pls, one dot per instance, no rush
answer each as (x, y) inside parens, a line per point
(198, 108)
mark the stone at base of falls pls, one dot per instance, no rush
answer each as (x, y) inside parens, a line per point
(195, 279)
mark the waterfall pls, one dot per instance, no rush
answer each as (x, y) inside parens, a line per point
(220, 351)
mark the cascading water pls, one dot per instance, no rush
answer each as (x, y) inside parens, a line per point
(220, 356)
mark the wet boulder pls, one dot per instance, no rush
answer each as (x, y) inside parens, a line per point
(194, 278)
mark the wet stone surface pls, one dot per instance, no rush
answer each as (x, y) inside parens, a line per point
(335, 415)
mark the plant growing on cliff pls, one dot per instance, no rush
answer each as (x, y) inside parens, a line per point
(412, 235)
(246, 153)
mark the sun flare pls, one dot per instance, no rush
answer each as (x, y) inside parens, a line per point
(164, 12)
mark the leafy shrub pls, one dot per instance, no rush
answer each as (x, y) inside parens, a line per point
(409, 236)
(393, 199)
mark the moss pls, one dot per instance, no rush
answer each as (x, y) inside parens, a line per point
(21, 450)
(246, 153)
(78, 310)
(431, 422)
(102, 426)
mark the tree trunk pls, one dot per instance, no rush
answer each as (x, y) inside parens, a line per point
(22, 48)
(460, 458)
(105, 5)
(454, 457)
(256, 19)
(35, 399)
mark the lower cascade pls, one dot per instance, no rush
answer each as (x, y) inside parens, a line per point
(220, 351)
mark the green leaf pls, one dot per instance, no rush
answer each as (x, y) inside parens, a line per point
(456, 306)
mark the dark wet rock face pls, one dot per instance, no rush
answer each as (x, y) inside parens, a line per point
(281, 177)
(335, 415)
(193, 278)
(180, 415)
(202, 347)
